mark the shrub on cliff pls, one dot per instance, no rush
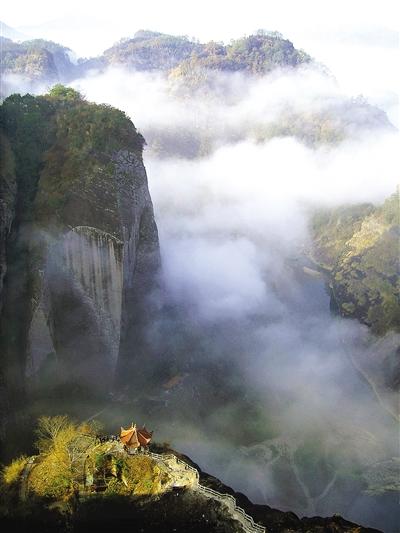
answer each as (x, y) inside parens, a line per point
(60, 141)
(62, 446)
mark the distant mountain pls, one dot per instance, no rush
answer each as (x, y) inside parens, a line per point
(194, 68)
(36, 60)
(258, 54)
(358, 245)
(11, 33)
(149, 51)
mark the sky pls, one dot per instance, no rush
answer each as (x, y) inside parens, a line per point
(356, 39)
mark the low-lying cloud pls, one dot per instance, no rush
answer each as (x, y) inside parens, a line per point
(230, 106)
(233, 219)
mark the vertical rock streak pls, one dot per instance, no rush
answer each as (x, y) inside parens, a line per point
(94, 258)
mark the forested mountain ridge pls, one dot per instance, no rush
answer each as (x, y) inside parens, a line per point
(147, 51)
(194, 69)
(190, 68)
(257, 54)
(36, 60)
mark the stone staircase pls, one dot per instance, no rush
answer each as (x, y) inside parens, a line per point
(23, 487)
(185, 475)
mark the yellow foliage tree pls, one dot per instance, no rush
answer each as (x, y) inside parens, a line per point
(62, 446)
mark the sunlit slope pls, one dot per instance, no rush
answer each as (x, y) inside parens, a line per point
(359, 245)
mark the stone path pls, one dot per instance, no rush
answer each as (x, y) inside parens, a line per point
(186, 476)
(23, 489)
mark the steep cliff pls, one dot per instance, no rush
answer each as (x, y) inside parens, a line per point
(82, 254)
(8, 189)
(358, 247)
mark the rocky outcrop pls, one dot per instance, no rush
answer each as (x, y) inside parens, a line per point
(141, 263)
(357, 247)
(188, 511)
(82, 257)
(273, 520)
(149, 492)
(98, 277)
(8, 191)
(94, 257)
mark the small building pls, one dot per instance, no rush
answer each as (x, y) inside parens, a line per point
(132, 438)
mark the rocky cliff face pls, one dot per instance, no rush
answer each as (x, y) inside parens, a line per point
(358, 248)
(100, 270)
(80, 250)
(8, 189)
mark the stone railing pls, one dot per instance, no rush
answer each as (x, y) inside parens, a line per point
(247, 522)
(171, 456)
(238, 513)
(23, 487)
